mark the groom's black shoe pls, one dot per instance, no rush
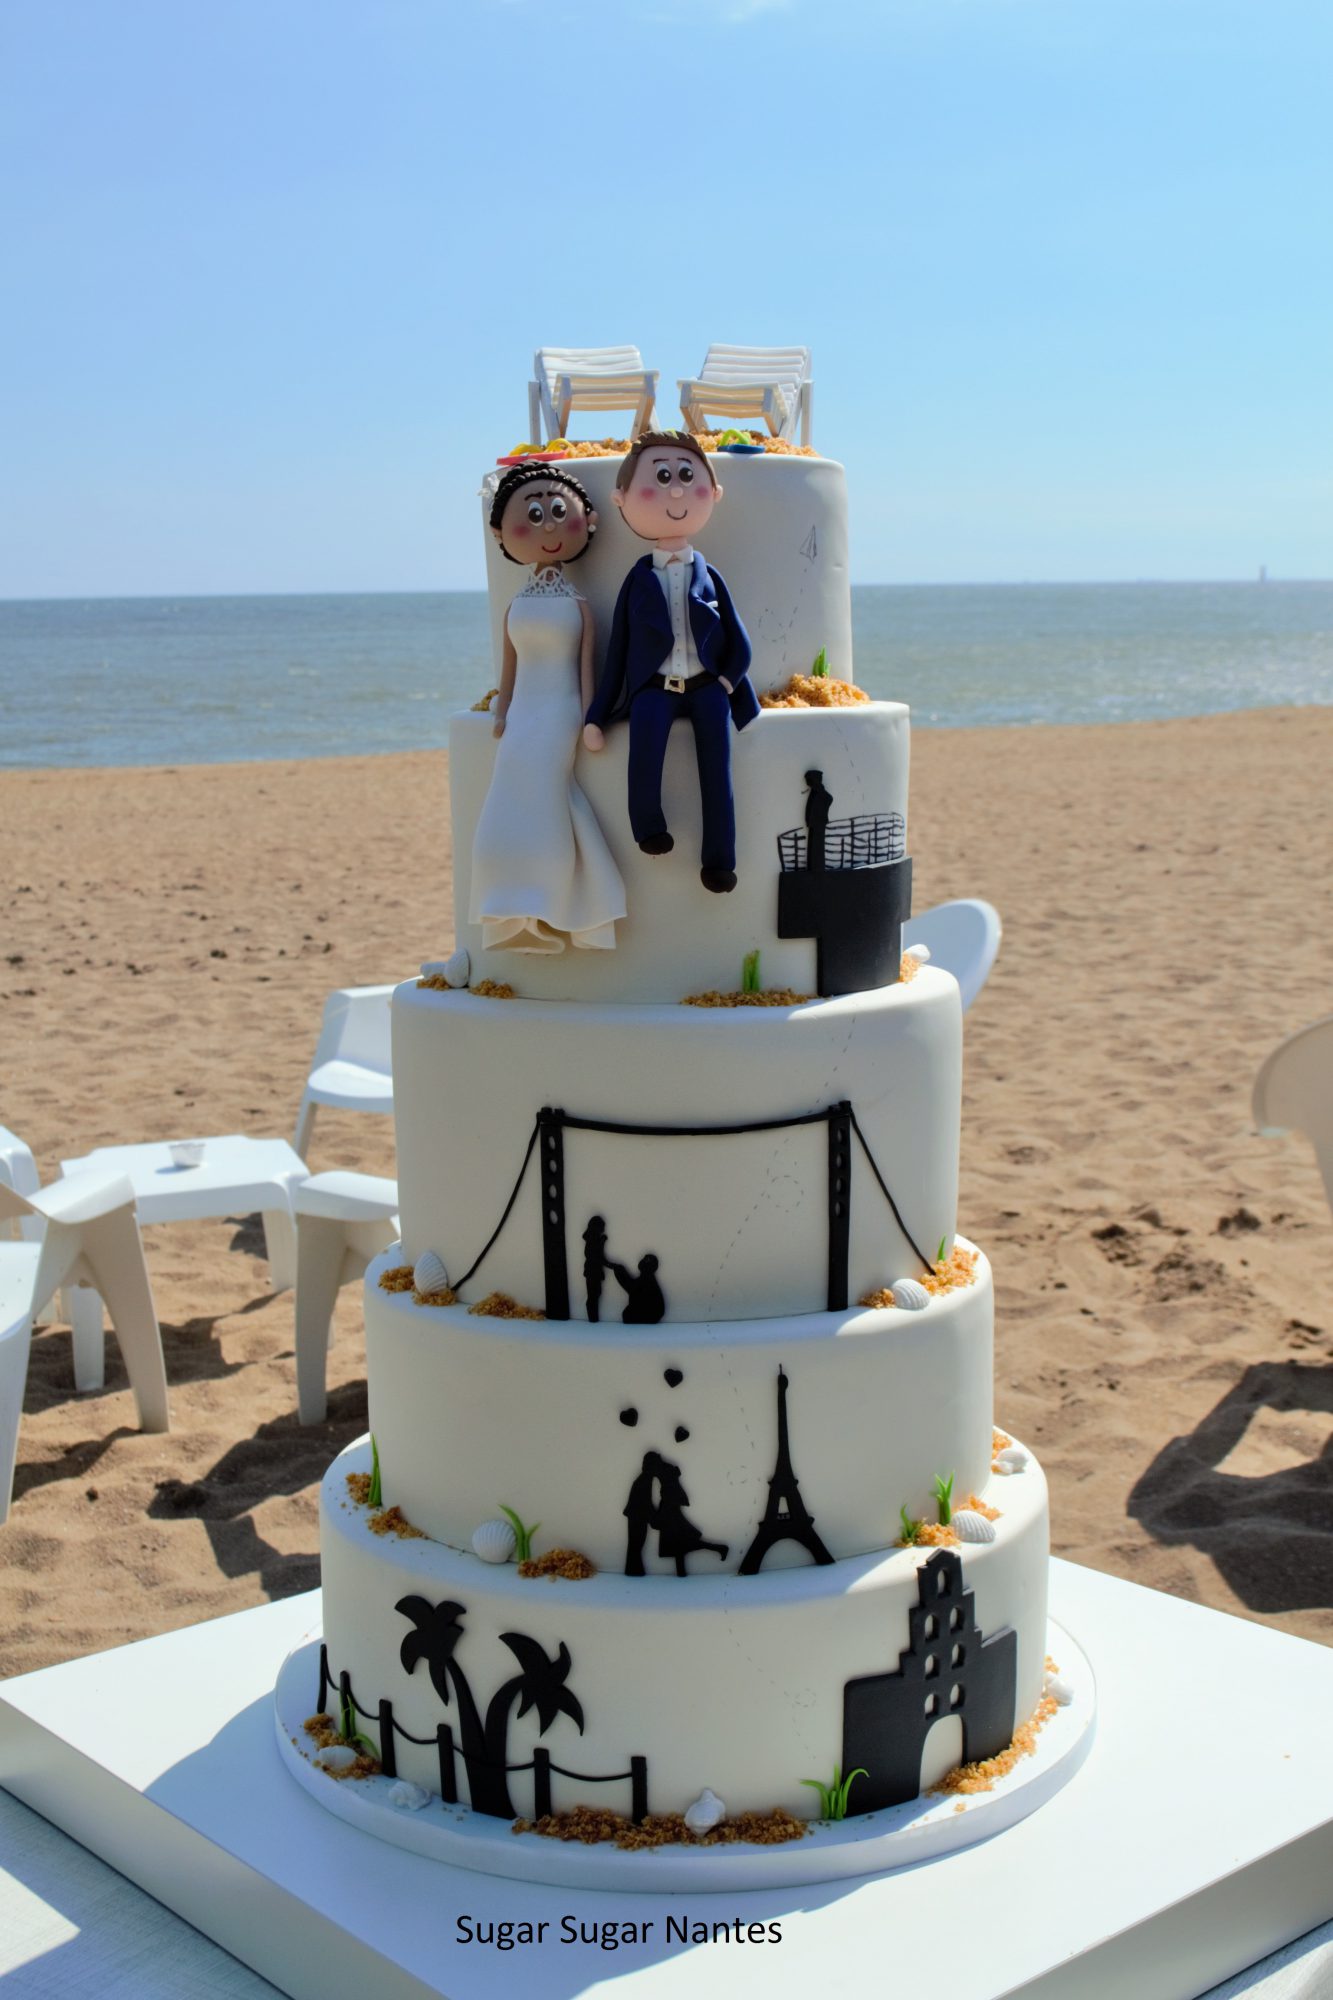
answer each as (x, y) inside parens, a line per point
(719, 880)
(657, 843)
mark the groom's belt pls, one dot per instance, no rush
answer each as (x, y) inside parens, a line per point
(678, 683)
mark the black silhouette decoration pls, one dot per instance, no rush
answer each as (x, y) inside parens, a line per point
(645, 1303)
(847, 884)
(594, 1264)
(657, 1500)
(556, 1271)
(681, 1433)
(673, 1377)
(538, 1688)
(948, 1668)
(786, 1517)
(539, 1683)
(818, 806)
(629, 1417)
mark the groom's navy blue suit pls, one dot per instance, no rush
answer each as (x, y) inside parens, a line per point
(636, 659)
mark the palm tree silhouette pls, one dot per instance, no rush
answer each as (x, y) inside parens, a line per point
(539, 1684)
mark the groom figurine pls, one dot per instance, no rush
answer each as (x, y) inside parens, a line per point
(677, 649)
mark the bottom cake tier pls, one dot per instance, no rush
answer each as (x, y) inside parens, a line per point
(522, 1695)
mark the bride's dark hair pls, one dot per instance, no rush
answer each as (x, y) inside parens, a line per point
(529, 475)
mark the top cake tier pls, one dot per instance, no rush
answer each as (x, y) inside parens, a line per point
(778, 536)
(676, 940)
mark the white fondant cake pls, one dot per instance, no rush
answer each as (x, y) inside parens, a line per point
(661, 1359)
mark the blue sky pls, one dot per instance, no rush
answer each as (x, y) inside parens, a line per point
(275, 272)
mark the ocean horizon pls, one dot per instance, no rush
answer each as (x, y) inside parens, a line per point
(203, 680)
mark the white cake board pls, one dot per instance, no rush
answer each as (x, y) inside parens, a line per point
(866, 1844)
(1197, 1838)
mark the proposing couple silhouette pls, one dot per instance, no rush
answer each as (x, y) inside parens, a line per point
(644, 1301)
(657, 1499)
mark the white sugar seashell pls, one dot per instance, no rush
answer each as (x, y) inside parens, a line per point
(1012, 1459)
(1059, 1689)
(457, 968)
(920, 952)
(495, 1541)
(707, 1812)
(336, 1757)
(411, 1798)
(910, 1295)
(429, 1274)
(972, 1527)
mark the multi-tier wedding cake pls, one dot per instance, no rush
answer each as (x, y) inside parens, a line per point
(683, 1493)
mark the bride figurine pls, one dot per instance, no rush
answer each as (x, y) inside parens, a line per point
(543, 876)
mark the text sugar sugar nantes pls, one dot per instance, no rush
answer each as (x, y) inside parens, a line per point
(610, 1933)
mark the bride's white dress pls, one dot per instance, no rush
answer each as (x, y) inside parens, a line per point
(542, 873)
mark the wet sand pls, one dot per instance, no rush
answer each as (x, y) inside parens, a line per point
(1165, 1275)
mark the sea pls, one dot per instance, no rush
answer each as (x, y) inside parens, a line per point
(206, 680)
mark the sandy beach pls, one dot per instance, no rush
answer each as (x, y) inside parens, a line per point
(1164, 1275)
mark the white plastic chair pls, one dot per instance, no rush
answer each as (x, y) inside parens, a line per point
(1293, 1092)
(351, 1069)
(18, 1170)
(962, 937)
(736, 383)
(342, 1221)
(565, 379)
(89, 1236)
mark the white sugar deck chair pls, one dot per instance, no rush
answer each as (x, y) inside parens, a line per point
(351, 1069)
(89, 1236)
(342, 1221)
(962, 937)
(740, 384)
(565, 379)
(1293, 1092)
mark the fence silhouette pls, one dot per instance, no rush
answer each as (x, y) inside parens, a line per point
(867, 840)
(450, 1755)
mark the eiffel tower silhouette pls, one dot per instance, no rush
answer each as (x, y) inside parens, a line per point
(786, 1517)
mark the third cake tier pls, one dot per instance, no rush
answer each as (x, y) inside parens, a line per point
(860, 1411)
(706, 1164)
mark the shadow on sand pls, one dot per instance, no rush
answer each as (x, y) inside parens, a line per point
(1270, 1536)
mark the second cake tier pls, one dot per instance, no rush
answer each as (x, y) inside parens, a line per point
(843, 1420)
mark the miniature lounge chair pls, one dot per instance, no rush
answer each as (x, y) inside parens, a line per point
(736, 383)
(1293, 1092)
(963, 938)
(89, 1236)
(588, 378)
(351, 1068)
(342, 1221)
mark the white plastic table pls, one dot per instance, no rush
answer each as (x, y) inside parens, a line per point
(235, 1173)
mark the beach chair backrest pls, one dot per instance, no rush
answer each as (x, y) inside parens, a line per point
(787, 367)
(550, 362)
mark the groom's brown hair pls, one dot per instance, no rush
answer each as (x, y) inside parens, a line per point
(663, 441)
